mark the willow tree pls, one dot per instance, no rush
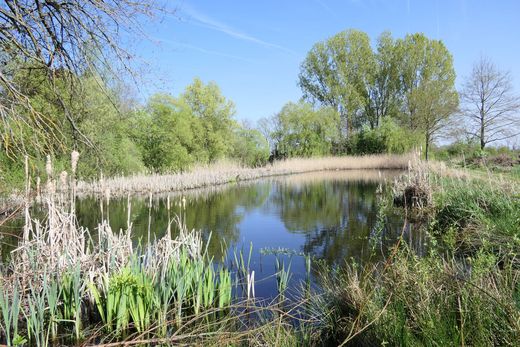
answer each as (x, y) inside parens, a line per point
(64, 39)
(216, 114)
(303, 130)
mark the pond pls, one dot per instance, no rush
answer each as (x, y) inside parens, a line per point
(331, 216)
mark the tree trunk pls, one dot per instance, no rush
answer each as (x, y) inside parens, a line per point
(482, 134)
(482, 128)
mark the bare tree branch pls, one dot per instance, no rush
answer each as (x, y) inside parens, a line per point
(60, 35)
(489, 104)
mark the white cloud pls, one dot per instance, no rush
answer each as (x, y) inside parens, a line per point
(204, 50)
(205, 21)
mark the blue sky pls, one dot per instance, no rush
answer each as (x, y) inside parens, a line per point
(253, 49)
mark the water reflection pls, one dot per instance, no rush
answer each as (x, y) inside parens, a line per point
(332, 215)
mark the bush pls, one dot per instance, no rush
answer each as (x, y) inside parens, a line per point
(387, 138)
(11, 174)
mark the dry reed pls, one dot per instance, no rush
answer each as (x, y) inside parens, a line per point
(226, 172)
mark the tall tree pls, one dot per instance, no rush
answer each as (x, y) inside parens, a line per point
(434, 106)
(216, 113)
(384, 92)
(338, 73)
(423, 61)
(491, 108)
(427, 85)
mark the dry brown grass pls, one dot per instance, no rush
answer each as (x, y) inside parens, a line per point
(226, 172)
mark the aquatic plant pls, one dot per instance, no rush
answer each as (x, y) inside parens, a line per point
(10, 310)
(283, 275)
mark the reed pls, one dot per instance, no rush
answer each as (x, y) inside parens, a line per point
(60, 281)
(226, 172)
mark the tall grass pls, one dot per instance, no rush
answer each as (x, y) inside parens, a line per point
(226, 172)
(62, 285)
(428, 301)
(464, 291)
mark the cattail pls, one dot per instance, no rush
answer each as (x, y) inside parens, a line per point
(63, 179)
(74, 156)
(38, 183)
(107, 196)
(48, 166)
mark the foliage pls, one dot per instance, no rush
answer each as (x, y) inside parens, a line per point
(59, 40)
(428, 85)
(305, 131)
(335, 73)
(165, 134)
(251, 147)
(411, 80)
(95, 108)
(197, 127)
(387, 138)
(215, 114)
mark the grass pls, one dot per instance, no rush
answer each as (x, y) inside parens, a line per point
(422, 301)
(464, 291)
(62, 286)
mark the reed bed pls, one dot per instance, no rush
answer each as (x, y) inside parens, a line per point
(226, 172)
(64, 286)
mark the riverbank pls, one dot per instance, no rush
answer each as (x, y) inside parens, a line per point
(464, 291)
(222, 173)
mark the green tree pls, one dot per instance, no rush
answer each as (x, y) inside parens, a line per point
(428, 82)
(164, 131)
(384, 91)
(94, 108)
(338, 72)
(215, 113)
(251, 147)
(305, 131)
(397, 80)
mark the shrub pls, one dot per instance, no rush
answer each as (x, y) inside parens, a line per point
(387, 138)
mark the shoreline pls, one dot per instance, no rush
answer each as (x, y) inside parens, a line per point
(223, 173)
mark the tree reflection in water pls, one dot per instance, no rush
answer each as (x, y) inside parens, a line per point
(331, 215)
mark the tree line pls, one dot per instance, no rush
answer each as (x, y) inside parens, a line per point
(59, 92)
(389, 98)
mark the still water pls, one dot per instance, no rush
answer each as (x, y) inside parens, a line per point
(331, 216)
